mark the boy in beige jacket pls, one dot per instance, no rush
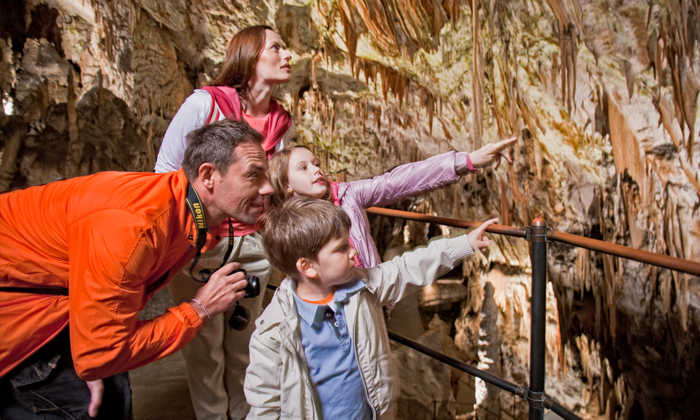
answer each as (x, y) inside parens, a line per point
(320, 349)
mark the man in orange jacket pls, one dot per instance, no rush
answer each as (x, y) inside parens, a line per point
(80, 258)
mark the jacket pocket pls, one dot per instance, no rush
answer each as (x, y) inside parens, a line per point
(50, 385)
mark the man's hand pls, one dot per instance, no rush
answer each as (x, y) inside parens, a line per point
(492, 153)
(220, 292)
(97, 389)
(477, 239)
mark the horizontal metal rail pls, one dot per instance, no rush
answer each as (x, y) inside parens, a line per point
(492, 379)
(500, 229)
(666, 261)
(485, 376)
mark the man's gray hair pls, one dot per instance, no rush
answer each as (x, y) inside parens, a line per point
(215, 143)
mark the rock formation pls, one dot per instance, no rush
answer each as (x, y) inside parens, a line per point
(602, 95)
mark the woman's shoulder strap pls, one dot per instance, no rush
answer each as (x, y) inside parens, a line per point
(227, 101)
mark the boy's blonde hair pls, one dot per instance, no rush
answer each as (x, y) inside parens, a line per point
(278, 173)
(299, 229)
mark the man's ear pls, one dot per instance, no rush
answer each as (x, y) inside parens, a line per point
(206, 175)
(305, 267)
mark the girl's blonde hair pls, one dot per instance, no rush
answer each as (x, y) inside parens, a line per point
(278, 173)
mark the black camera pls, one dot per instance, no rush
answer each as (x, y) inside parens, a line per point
(241, 316)
(252, 287)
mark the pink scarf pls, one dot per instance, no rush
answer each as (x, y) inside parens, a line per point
(230, 105)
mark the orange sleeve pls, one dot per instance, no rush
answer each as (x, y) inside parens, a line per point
(111, 254)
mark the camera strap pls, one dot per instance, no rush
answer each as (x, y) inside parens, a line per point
(194, 203)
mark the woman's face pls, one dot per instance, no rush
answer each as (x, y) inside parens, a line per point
(273, 64)
(305, 175)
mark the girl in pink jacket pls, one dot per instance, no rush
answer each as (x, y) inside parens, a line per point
(295, 170)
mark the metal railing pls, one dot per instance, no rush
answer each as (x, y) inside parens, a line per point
(538, 235)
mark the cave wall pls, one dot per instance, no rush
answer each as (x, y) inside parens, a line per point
(602, 95)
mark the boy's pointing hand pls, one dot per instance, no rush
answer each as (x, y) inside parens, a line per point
(478, 239)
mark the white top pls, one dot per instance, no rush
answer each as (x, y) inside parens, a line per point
(192, 115)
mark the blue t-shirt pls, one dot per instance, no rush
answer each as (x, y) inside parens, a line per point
(330, 356)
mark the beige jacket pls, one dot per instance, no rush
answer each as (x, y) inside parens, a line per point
(277, 383)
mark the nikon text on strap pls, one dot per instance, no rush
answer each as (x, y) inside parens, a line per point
(194, 203)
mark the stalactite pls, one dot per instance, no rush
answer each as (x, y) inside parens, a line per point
(350, 30)
(477, 79)
(668, 120)
(678, 49)
(568, 51)
(505, 216)
(378, 118)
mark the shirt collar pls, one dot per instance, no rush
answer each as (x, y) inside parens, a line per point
(309, 312)
(313, 314)
(348, 289)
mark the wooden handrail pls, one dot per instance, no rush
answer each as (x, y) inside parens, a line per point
(666, 261)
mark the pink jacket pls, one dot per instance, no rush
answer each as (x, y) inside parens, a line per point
(407, 180)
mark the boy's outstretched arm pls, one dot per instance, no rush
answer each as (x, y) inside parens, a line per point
(262, 381)
(392, 280)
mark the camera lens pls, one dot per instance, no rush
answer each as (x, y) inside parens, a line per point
(252, 289)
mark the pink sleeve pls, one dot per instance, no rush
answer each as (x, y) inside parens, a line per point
(407, 180)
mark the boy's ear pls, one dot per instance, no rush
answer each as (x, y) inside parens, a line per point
(306, 268)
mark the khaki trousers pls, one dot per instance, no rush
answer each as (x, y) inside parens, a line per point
(218, 356)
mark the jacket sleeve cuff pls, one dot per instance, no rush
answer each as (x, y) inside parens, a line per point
(461, 167)
(187, 315)
(459, 248)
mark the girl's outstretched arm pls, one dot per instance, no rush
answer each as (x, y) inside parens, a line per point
(415, 178)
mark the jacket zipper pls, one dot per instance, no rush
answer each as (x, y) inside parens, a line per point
(305, 380)
(357, 359)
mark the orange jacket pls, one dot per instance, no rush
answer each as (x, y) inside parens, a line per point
(113, 239)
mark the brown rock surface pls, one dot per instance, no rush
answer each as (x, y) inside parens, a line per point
(602, 94)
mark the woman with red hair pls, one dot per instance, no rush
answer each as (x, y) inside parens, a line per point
(256, 62)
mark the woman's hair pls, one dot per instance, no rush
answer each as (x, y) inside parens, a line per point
(278, 172)
(242, 54)
(299, 229)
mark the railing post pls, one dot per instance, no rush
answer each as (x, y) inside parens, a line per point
(538, 309)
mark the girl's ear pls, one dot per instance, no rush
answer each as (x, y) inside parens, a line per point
(290, 191)
(305, 267)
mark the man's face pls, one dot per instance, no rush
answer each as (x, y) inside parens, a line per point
(242, 193)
